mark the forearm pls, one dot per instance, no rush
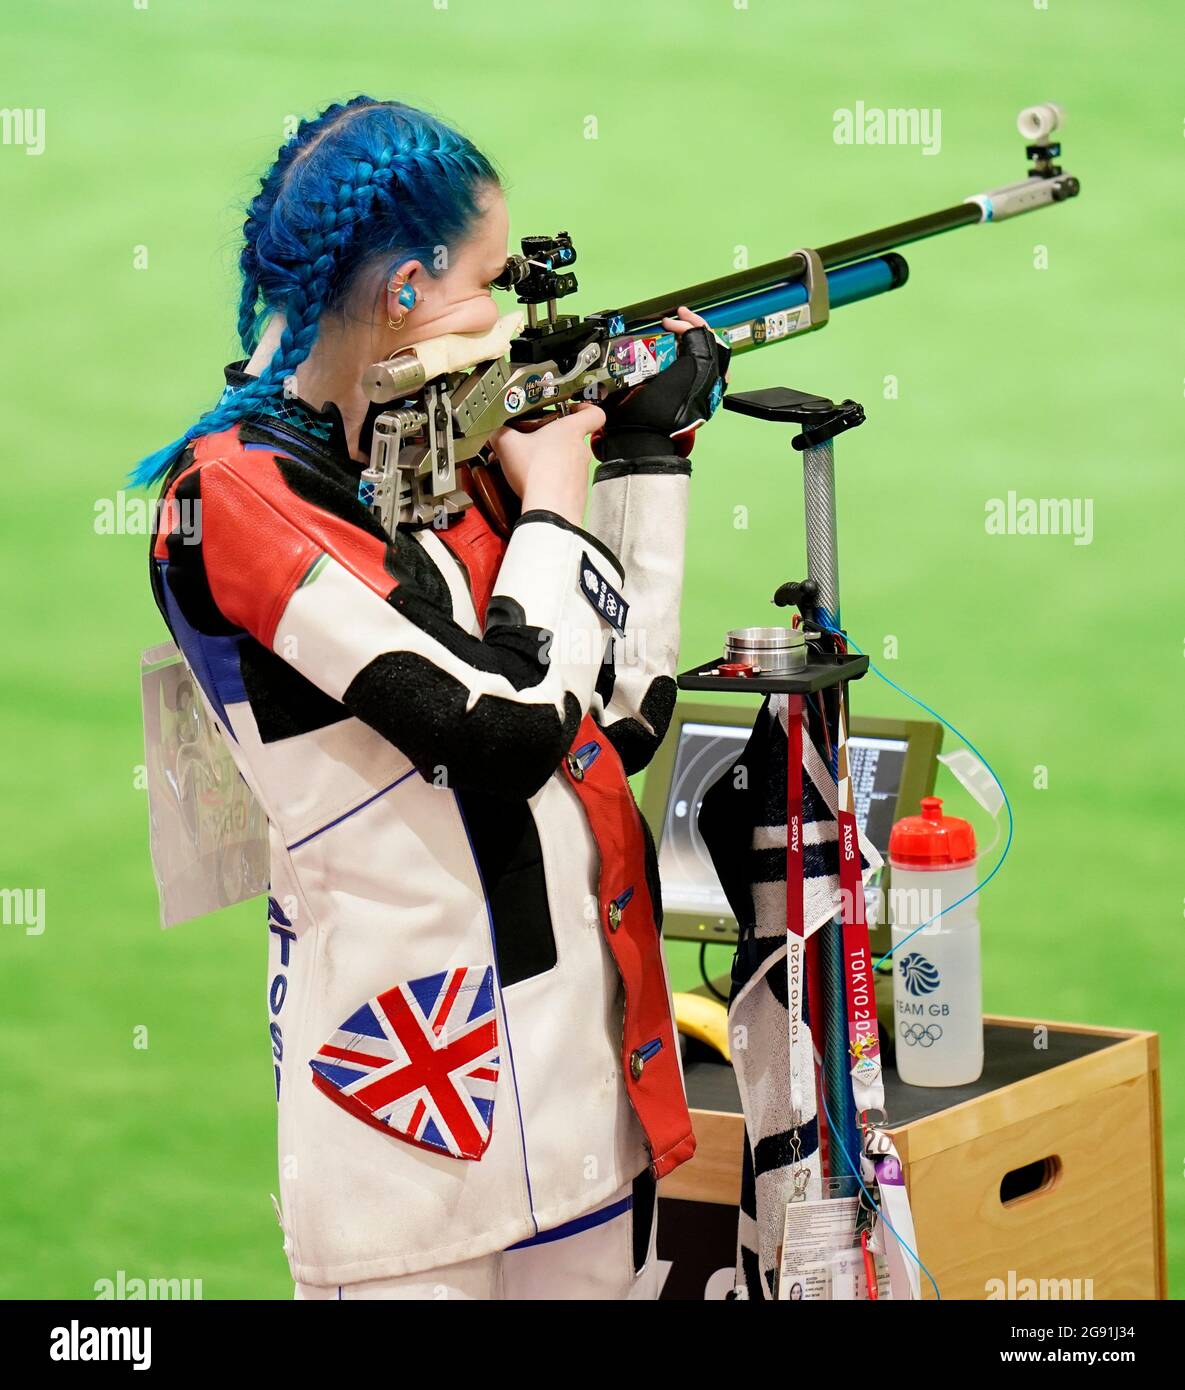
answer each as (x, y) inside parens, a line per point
(638, 508)
(556, 490)
(496, 711)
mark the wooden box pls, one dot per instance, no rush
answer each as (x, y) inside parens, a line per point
(1046, 1169)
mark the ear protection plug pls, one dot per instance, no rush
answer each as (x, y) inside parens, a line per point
(406, 299)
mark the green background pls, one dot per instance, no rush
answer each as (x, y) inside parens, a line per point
(714, 131)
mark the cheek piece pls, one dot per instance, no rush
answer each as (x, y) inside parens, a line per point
(407, 370)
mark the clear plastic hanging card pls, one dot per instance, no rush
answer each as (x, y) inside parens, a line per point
(821, 1256)
(207, 833)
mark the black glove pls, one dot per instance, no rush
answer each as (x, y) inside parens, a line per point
(660, 415)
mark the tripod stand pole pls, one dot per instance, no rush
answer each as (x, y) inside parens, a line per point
(829, 1015)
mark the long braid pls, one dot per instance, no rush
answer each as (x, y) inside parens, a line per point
(258, 212)
(363, 178)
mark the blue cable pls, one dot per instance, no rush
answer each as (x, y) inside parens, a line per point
(946, 724)
(913, 1254)
(962, 737)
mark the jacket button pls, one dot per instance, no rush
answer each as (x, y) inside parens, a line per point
(636, 1065)
(574, 767)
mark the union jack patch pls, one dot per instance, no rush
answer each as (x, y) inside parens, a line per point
(420, 1061)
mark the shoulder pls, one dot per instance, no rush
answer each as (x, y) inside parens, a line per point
(255, 520)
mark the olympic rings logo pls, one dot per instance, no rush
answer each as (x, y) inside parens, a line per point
(920, 1034)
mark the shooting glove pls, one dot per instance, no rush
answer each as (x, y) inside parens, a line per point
(659, 416)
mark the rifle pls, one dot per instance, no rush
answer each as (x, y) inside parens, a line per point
(445, 417)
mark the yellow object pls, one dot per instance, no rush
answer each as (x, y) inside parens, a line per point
(704, 1019)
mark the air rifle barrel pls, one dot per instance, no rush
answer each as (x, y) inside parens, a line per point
(1023, 196)
(559, 356)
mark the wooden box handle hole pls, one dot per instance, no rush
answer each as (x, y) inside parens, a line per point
(1029, 1180)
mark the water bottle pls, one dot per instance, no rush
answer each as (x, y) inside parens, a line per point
(937, 989)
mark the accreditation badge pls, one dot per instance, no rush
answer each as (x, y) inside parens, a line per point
(207, 834)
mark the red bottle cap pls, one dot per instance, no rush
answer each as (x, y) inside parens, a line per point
(932, 840)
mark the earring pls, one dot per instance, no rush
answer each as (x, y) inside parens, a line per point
(406, 297)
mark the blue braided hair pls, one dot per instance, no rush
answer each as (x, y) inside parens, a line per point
(363, 181)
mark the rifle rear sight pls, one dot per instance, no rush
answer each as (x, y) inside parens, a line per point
(537, 277)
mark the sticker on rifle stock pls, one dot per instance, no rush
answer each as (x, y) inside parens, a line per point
(514, 400)
(602, 595)
(621, 360)
(643, 364)
(666, 349)
(533, 388)
(788, 321)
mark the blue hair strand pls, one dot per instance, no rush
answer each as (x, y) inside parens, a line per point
(363, 183)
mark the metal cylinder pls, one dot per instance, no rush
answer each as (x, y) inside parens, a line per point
(395, 379)
(822, 547)
(770, 651)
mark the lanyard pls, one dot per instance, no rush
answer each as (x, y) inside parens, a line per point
(863, 1039)
(894, 1233)
(801, 1063)
(879, 1162)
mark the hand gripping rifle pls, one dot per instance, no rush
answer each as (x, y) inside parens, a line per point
(450, 394)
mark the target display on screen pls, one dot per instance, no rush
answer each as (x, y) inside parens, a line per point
(689, 882)
(706, 751)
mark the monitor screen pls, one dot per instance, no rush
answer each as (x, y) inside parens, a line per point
(875, 766)
(689, 882)
(703, 753)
